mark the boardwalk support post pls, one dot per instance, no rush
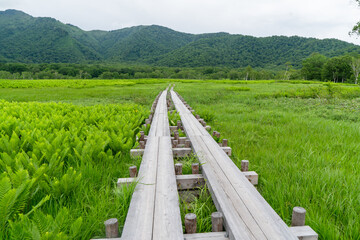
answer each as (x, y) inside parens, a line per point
(175, 143)
(217, 221)
(142, 136)
(142, 144)
(190, 223)
(176, 135)
(187, 143)
(195, 168)
(133, 171)
(179, 125)
(244, 165)
(112, 228)
(298, 216)
(178, 169)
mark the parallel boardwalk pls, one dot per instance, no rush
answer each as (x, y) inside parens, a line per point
(154, 211)
(246, 213)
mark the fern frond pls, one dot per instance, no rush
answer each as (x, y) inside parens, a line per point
(43, 222)
(38, 205)
(6, 205)
(22, 197)
(5, 186)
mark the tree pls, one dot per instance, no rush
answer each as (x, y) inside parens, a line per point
(248, 72)
(287, 73)
(356, 28)
(312, 66)
(337, 69)
(355, 66)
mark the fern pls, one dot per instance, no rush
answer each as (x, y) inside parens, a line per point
(5, 185)
(45, 223)
(75, 229)
(6, 205)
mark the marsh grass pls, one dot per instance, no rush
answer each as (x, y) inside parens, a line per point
(303, 144)
(202, 204)
(304, 148)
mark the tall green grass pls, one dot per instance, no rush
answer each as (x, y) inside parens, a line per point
(305, 149)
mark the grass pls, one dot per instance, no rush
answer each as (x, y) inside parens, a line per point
(300, 137)
(305, 149)
(142, 94)
(85, 194)
(201, 204)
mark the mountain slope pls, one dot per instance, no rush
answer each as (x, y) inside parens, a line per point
(27, 39)
(24, 38)
(241, 51)
(141, 42)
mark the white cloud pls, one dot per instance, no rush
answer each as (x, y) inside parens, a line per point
(310, 18)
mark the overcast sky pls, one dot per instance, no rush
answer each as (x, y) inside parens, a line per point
(308, 18)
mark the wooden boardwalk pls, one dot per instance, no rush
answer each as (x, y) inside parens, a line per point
(246, 213)
(154, 211)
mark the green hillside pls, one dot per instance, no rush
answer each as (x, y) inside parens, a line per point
(36, 40)
(24, 38)
(241, 51)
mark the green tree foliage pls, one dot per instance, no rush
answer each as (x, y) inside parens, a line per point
(356, 28)
(337, 69)
(355, 67)
(312, 66)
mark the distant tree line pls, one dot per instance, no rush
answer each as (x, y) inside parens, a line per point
(316, 67)
(337, 69)
(98, 71)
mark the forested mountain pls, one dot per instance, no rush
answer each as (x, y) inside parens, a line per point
(24, 38)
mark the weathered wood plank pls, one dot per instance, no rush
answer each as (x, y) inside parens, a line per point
(247, 215)
(181, 152)
(125, 181)
(154, 211)
(183, 182)
(237, 208)
(190, 181)
(205, 236)
(141, 210)
(167, 220)
(136, 152)
(304, 233)
(253, 177)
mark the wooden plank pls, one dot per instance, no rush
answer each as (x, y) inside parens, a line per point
(141, 210)
(227, 150)
(253, 177)
(236, 205)
(205, 236)
(125, 181)
(181, 152)
(136, 152)
(167, 220)
(190, 181)
(183, 182)
(154, 211)
(234, 226)
(304, 233)
(269, 222)
(243, 207)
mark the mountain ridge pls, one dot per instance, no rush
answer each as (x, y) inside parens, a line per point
(28, 39)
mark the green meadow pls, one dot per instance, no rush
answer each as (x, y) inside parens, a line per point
(64, 143)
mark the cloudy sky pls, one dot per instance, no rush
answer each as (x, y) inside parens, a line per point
(309, 18)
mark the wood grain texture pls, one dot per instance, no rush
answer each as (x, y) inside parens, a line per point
(154, 211)
(246, 213)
